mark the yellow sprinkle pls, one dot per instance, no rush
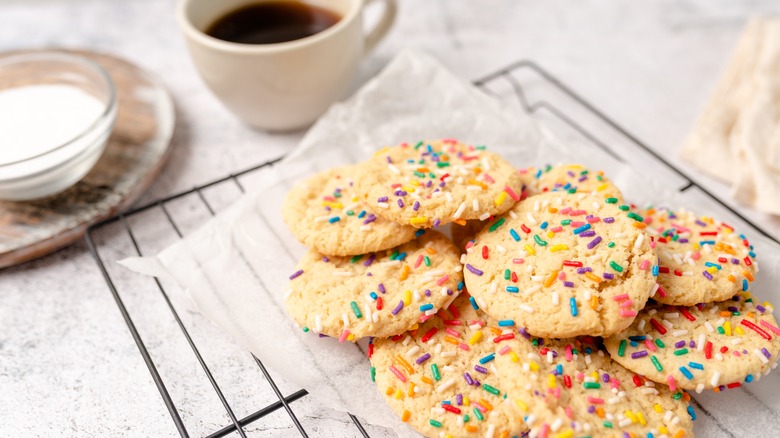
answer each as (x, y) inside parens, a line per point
(550, 234)
(529, 249)
(381, 151)
(630, 416)
(410, 392)
(727, 328)
(466, 401)
(551, 278)
(418, 220)
(399, 394)
(712, 270)
(500, 198)
(475, 337)
(534, 366)
(663, 430)
(602, 187)
(355, 199)
(351, 337)
(522, 405)
(404, 364)
(551, 381)
(409, 188)
(477, 183)
(405, 416)
(514, 356)
(658, 408)
(565, 434)
(407, 296)
(332, 204)
(768, 305)
(642, 419)
(404, 276)
(558, 247)
(592, 277)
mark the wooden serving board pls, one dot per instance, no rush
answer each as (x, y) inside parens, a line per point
(134, 155)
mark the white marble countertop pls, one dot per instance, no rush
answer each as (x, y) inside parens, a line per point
(68, 366)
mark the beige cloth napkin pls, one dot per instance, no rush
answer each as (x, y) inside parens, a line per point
(737, 136)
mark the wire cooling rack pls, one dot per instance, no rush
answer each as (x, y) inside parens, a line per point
(540, 94)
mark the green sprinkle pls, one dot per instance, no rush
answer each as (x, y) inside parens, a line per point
(435, 371)
(624, 207)
(681, 352)
(539, 240)
(427, 261)
(356, 309)
(611, 245)
(547, 168)
(490, 389)
(350, 213)
(480, 147)
(656, 363)
(635, 217)
(373, 374)
(566, 222)
(506, 274)
(677, 395)
(535, 342)
(394, 255)
(443, 164)
(622, 348)
(419, 174)
(306, 330)
(434, 423)
(660, 343)
(417, 146)
(466, 418)
(721, 330)
(572, 191)
(497, 224)
(608, 424)
(615, 266)
(591, 385)
(355, 258)
(431, 175)
(478, 414)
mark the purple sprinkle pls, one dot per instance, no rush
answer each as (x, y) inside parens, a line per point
(639, 354)
(369, 275)
(571, 174)
(626, 435)
(524, 333)
(766, 353)
(679, 344)
(584, 270)
(692, 344)
(416, 205)
(472, 269)
(428, 184)
(608, 276)
(707, 275)
(605, 378)
(449, 292)
(423, 358)
(382, 199)
(592, 244)
(381, 288)
(761, 308)
(327, 208)
(555, 372)
(436, 223)
(325, 259)
(481, 369)
(427, 292)
(389, 160)
(683, 240)
(733, 309)
(734, 261)
(468, 378)
(608, 220)
(300, 271)
(370, 218)
(476, 383)
(442, 184)
(589, 233)
(700, 223)
(322, 336)
(401, 203)
(398, 307)
(568, 284)
(369, 260)
(582, 178)
(591, 409)
(459, 399)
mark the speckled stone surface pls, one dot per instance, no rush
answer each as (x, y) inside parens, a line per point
(68, 366)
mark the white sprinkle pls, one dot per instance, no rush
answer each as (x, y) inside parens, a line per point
(639, 240)
(557, 424)
(715, 379)
(532, 289)
(493, 287)
(761, 356)
(491, 430)
(709, 326)
(531, 219)
(680, 332)
(500, 249)
(394, 169)
(345, 318)
(365, 227)
(671, 315)
(448, 354)
(475, 205)
(444, 386)
(526, 308)
(367, 311)
(318, 324)
(641, 326)
(473, 188)
(699, 388)
(321, 218)
(407, 340)
(448, 195)
(512, 214)
(382, 205)
(390, 263)
(700, 345)
(459, 211)
(484, 216)
(342, 273)
(555, 298)
(444, 291)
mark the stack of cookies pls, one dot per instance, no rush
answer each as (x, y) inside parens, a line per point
(559, 311)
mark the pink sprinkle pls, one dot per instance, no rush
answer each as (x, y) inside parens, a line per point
(449, 140)
(671, 382)
(518, 261)
(736, 353)
(681, 228)
(627, 313)
(696, 255)
(568, 355)
(644, 265)
(770, 327)
(504, 350)
(627, 303)
(557, 392)
(580, 376)
(443, 279)
(344, 336)
(614, 383)
(477, 322)
(557, 229)
(469, 244)
(464, 347)
(489, 179)
(653, 244)
(480, 407)
(661, 292)
(621, 297)
(565, 210)
(578, 213)
(595, 400)
(424, 317)
(569, 412)
(420, 260)
(511, 193)
(453, 332)
(562, 276)
(650, 346)
(577, 224)
(594, 219)
(398, 374)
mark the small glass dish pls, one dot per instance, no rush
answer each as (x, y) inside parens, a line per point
(45, 173)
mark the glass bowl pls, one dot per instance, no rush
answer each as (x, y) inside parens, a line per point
(33, 175)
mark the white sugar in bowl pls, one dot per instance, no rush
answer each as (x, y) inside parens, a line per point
(57, 111)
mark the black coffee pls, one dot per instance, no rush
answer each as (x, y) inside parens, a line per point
(272, 22)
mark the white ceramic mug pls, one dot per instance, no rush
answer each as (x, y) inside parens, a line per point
(282, 86)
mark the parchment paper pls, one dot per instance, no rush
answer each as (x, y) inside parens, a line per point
(235, 268)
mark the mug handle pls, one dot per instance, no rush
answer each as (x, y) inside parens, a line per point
(375, 35)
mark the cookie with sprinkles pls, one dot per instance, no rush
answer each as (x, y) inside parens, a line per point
(563, 265)
(376, 294)
(701, 259)
(429, 184)
(576, 178)
(571, 388)
(324, 213)
(709, 346)
(441, 379)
